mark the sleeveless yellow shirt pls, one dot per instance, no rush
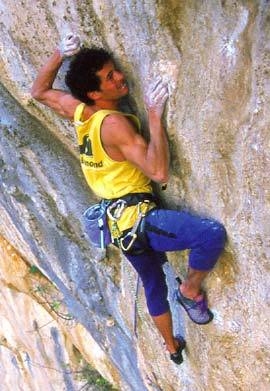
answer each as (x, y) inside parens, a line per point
(107, 178)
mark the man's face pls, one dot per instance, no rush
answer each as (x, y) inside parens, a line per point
(113, 85)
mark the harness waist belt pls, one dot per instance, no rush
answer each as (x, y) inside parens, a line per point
(134, 198)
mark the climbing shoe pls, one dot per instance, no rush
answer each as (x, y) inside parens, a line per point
(177, 357)
(197, 310)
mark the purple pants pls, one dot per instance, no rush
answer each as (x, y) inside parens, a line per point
(171, 230)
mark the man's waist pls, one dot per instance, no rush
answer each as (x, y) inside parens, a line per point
(124, 212)
(134, 198)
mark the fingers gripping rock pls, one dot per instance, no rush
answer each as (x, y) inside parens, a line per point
(157, 95)
(70, 45)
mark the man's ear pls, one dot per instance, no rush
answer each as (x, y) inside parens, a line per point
(94, 95)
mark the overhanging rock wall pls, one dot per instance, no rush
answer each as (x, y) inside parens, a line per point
(216, 57)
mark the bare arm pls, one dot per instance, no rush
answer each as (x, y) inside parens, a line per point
(158, 150)
(42, 90)
(122, 142)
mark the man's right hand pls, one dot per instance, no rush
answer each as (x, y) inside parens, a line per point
(62, 102)
(70, 45)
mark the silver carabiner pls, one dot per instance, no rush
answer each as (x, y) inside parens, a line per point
(115, 210)
(132, 240)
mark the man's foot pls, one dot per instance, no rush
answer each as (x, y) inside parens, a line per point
(177, 357)
(197, 308)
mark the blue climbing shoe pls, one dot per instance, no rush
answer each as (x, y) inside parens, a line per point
(177, 357)
(197, 310)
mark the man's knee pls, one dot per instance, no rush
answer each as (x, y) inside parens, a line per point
(209, 247)
(216, 234)
(214, 242)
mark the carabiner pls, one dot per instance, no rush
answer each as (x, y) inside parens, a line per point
(115, 210)
(133, 238)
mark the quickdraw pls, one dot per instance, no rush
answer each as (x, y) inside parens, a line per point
(114, 212)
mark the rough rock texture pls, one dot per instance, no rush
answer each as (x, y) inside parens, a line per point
(41, 342)
(216, 55)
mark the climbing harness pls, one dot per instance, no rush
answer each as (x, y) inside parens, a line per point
(125, 239)
(101, 233)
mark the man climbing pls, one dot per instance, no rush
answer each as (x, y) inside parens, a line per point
(119, 165)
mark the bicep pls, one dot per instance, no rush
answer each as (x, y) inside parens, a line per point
(134, 149)
(61, 102)
(122, 135)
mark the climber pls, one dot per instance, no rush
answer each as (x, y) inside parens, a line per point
(119, 165)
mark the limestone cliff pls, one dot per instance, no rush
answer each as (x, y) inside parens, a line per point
(215, 55)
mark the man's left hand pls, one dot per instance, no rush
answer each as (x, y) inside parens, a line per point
(156, 97)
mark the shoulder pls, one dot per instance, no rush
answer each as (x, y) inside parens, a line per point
(118, 129)
(119, 121)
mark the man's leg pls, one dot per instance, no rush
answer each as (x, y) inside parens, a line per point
(164, 325)
(169, 230)
(149, 267)
(203, 257)
(191, 286)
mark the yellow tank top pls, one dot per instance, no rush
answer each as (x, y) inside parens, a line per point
(106, 177)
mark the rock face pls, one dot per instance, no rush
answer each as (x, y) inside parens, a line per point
(216, 57)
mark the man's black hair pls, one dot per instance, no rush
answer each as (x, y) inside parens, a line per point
(81, 76)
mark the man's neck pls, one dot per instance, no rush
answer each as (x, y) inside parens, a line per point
(90, 109)
(107, 105)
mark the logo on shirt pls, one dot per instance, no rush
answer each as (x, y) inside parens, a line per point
(86, 147)
(86, 152)
(88, 163)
